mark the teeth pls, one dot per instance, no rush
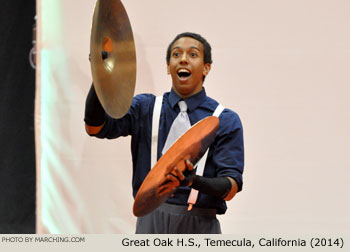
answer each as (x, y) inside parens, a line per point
(183, 71)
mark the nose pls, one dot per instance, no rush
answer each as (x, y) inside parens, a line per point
(183, 59)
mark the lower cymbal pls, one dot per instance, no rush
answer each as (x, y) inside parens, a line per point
(113, 57)
(191, 145)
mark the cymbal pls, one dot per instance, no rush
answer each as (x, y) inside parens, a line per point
(113, 57)
(191, 145)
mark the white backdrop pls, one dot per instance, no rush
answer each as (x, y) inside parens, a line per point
(283, 66)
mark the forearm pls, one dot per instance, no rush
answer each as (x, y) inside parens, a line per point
(221, 187)
(95, 115)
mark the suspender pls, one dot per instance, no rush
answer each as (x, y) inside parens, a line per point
(218, 110)
(201, 164)
(155, 127)
(154, 144)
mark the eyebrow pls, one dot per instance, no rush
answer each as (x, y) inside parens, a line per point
(192, 47)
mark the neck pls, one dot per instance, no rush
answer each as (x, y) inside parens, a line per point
(187, 95)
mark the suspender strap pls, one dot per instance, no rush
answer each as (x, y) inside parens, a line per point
(218, 110)
(201, 164)
(155, 128)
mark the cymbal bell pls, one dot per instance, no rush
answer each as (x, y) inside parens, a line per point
(191, 145)
(113, 57)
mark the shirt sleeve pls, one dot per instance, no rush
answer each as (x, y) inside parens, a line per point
(130, 122)
(228, 155)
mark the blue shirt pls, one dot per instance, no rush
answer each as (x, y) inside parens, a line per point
(225, 156)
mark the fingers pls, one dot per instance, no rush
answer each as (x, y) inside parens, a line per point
(171, 183)
(189, 165)
(173, 179)
(179, 173)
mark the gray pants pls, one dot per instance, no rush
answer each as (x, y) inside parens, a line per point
(175, 219)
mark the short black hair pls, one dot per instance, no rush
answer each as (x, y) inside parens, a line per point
(206, 46)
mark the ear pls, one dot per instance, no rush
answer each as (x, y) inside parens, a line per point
(168, 68)
(206, 69)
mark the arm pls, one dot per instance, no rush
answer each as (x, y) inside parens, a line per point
(222, 187)
(233, 191)
(95, 116)
(99, 124)
(93, 130)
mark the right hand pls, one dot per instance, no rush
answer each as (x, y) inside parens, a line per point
(176, 178)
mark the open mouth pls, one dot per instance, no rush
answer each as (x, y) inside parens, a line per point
(184, 73)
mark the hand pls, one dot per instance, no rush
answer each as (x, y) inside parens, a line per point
(176, 178)
(187, 177)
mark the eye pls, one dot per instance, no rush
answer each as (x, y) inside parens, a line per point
(176, 54)
(193, 54)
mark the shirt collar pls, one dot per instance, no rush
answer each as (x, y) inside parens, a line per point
(192, 102)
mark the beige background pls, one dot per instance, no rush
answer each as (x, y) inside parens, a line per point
(283, 66)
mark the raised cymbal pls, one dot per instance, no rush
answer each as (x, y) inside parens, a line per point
(113, 57)
(191, 145)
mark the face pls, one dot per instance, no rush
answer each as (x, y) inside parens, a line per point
(186, 66)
